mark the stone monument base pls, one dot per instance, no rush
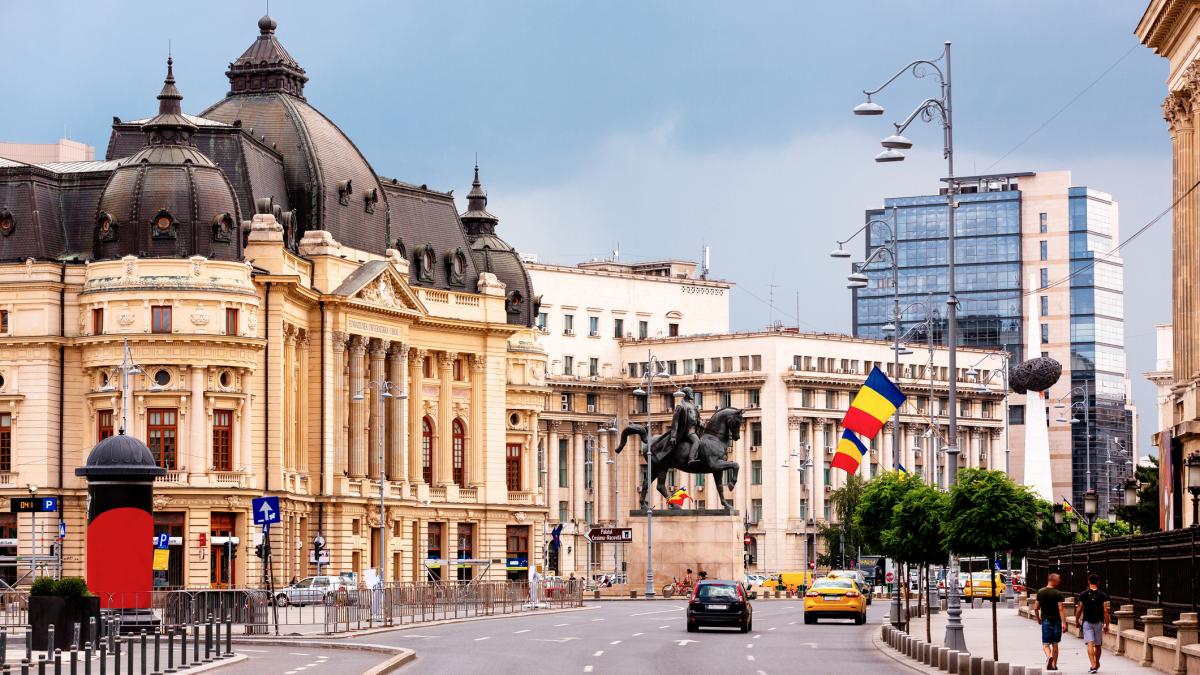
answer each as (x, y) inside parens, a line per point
(700, 539)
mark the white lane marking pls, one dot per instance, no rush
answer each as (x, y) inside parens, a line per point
(664, 626)
(684, 643)
(518, 632)
(615, 642)
(637, 634)
(749, 645)
(485, 637)
(253, 651)
(299, 654)
(289, 672)
(594, 620)
(791, 623)
(749, 657)
(587, 669)
(599, 653)
(661, 611)
(758, 636)
(771, 629)
(760, 672)
(559, 625)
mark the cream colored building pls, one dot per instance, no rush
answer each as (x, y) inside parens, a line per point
(795, 388)
(63, 150)
(270, 292)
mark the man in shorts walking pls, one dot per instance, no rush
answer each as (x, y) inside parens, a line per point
(1092, 613)
(1048, 612)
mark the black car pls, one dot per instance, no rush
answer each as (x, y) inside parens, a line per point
(717, 602)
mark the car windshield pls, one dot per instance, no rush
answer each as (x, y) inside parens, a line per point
(833, 583)
(981, 576)
(304, 583)
(717, 592)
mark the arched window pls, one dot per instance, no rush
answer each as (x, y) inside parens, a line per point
(427, 450)
(459, 448)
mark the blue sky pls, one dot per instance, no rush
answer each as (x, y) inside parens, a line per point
(660, 126)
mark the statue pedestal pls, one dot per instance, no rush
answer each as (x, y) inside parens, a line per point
(700, 539)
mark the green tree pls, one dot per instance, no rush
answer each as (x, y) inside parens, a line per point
(915, 532)
(874, 513)
(989, 513)
(842, 539)
(1108, 530)
(1143, 517)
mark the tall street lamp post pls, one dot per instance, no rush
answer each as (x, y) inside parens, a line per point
(653, 366)
(938, 109)
(802, 463)
(1193, 485)
(385, 392)
(981, 386)
(609, 428)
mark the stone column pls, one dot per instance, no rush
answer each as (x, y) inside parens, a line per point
(241, 458)
(475, 450)
(578, 493)
(197, 448)
(301, 403)
(1124, 617)
(415, 408)
(603, 483)
(338, 385)
(793, 443)
(358, 447)
(1178, 112)
(442, 474)
(397, 470)
(1152, 623)
(1185, 634)
(288, 424)
(378, 351)
(552, 468)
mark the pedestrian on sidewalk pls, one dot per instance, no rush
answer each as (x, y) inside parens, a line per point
(1048, 612)
(1092, 612)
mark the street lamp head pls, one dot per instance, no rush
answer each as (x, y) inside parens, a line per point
(1112, 517)
(1074, 526)
(357, 397)
(971, 372)
(1058, 514)
(639, 392)
(888, 327)
(890, 155)
(1090, 499)
(1193, 471)
(868, 107)
(839, 252)
(1131, 488)
(896, 141)
(136, 370)
(857, 280)
(110, 387)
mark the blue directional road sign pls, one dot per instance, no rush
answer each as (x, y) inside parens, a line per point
(162, 540)
(266, 510)
(62, 530)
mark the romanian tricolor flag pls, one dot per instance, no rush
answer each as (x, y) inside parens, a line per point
(850, 452)
(875, 402)
(903, 471)
(1066, 506)
(678, 497)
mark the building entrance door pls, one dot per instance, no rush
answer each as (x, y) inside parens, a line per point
(221, 572)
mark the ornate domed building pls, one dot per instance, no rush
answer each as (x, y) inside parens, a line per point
(262, 288)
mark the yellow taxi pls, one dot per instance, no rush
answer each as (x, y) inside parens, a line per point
(858, 577)
(835, 598)
(786, 580)
(979, 585)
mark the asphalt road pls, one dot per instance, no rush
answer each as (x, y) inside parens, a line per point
(642, 637)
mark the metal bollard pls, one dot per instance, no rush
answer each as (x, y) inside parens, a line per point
(208, 635)
(74, 661)
(228, 634)
(117, 656)
(50, 640)
(170, 651)
(24, 666)
(103, 657)
(112, 638)
(128, 656)
(75, 635)
(3, 645)
(157, 646)
(29, 646)
(87, 658)
(143, 652)
(41, 664)
(183, 644)
(91, 636)
(57, 662)
(196, 643)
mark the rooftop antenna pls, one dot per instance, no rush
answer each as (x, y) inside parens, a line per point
(703, 261)
(797, 311)
(771, 303)
(617, 252)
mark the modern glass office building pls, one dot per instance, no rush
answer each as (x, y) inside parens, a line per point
(1020, 235)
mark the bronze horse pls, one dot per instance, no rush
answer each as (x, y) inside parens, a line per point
(723, 427)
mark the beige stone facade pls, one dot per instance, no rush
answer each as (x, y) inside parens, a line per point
(251, 372)
(1172, 29)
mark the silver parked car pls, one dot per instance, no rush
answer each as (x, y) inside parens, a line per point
(310, 591)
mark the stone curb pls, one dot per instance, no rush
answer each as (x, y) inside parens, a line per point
(251, 639)
(400, 655)
(927, 656)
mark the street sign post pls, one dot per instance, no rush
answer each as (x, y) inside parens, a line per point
(610, 535)
(266, 511)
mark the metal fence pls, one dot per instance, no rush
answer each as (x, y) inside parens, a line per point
(1151, 570)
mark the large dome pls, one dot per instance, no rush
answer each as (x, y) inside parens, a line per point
(329, 182)
(168, 199)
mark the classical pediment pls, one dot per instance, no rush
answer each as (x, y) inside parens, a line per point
(377, 283)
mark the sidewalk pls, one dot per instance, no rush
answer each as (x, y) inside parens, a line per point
(1020, 641)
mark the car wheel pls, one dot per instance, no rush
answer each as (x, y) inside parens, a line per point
(810, 620)
(745, 627)
(281, 600)
(858, 621)
(693, 628)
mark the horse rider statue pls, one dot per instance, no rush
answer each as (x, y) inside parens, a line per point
(685, 426)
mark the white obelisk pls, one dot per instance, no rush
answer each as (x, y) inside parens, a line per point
(1037, 434)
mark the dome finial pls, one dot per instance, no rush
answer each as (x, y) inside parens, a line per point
(267, 25)
(169, 97)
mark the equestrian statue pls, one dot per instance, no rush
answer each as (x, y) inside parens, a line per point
(690, 446)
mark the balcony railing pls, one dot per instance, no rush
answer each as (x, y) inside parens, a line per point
(521, 497)
(437, 492)
(468, 494)
(172, 476)
(234, 478)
